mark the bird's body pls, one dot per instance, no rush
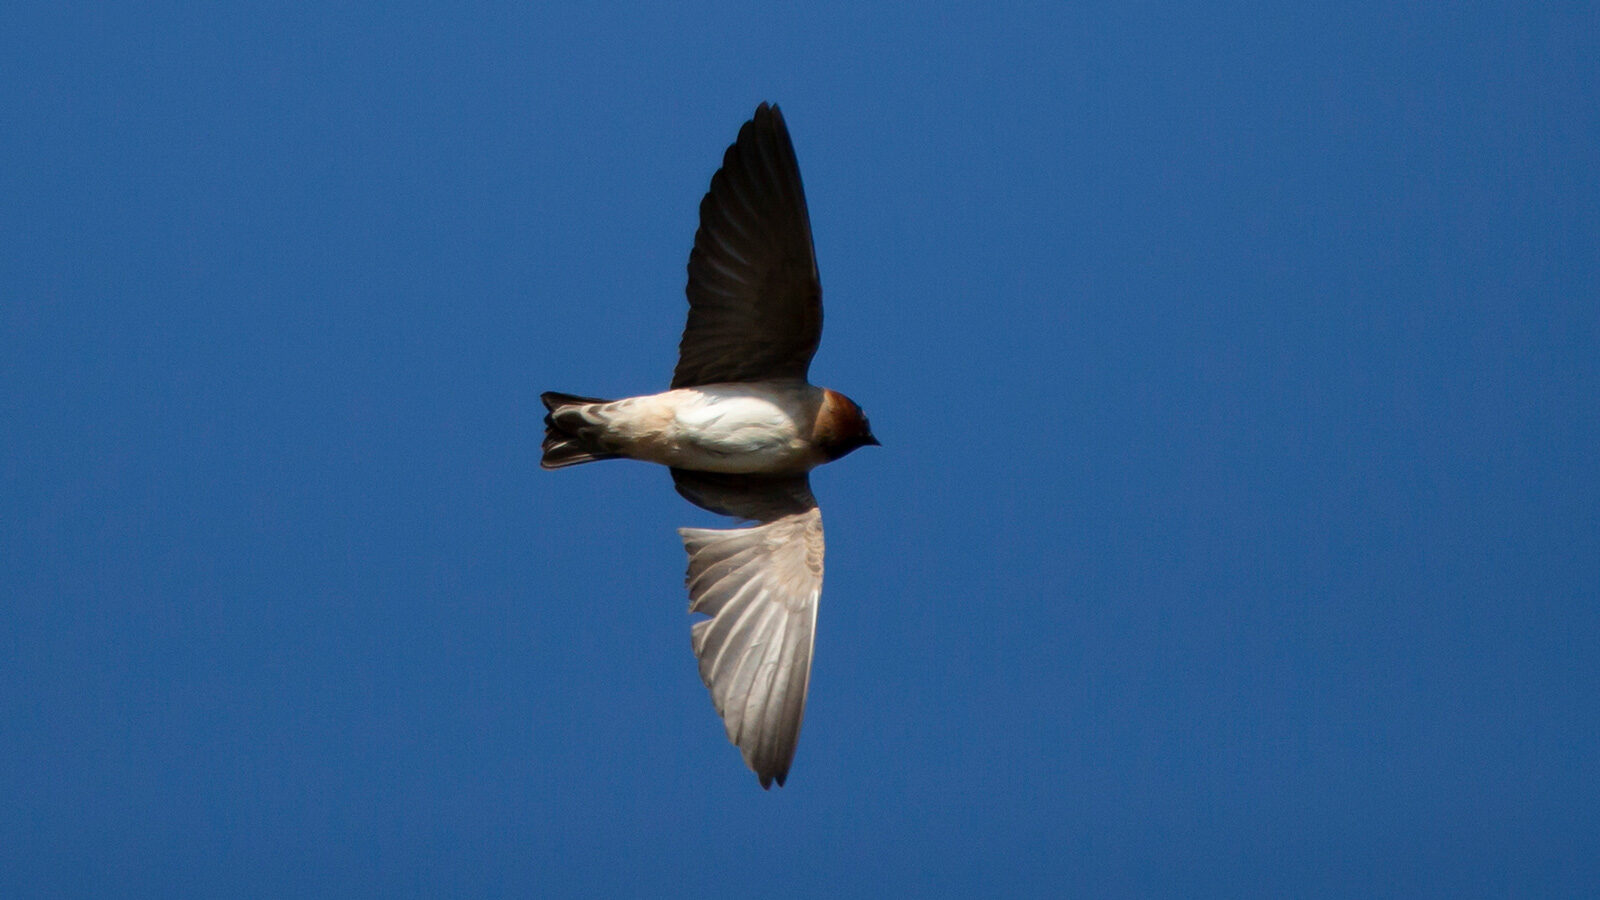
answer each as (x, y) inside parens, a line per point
(730, 428)
(740, 429)
(744, 428)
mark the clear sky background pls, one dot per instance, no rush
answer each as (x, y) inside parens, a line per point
(1236, 529)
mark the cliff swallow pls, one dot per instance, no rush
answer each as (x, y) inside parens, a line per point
(740, 429)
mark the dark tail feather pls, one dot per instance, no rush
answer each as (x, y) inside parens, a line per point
(554, 400)
(569, 435)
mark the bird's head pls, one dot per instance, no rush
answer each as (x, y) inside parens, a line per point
(841, 426)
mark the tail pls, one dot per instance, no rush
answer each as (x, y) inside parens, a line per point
(571, 434)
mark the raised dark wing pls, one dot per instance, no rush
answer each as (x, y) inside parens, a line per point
(755, 302)
(760, 586)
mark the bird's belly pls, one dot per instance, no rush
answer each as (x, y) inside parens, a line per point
(721, 430)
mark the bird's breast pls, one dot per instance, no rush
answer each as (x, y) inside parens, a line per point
(743, 429)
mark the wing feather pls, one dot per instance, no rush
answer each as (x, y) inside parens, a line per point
(760, 585)
(755, 301)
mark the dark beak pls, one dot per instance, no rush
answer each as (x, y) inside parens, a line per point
(872, 440)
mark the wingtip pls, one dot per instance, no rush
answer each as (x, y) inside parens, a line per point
(768, 110)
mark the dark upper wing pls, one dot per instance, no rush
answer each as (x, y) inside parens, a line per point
(760, 586)
(755, 302)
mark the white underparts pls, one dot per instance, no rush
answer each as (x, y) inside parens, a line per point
(747, 428)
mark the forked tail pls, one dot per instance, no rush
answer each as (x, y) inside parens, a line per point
(571, 434)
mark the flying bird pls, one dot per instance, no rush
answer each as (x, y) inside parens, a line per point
(740, 429)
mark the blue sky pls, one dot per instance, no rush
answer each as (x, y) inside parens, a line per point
(1236, 530)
